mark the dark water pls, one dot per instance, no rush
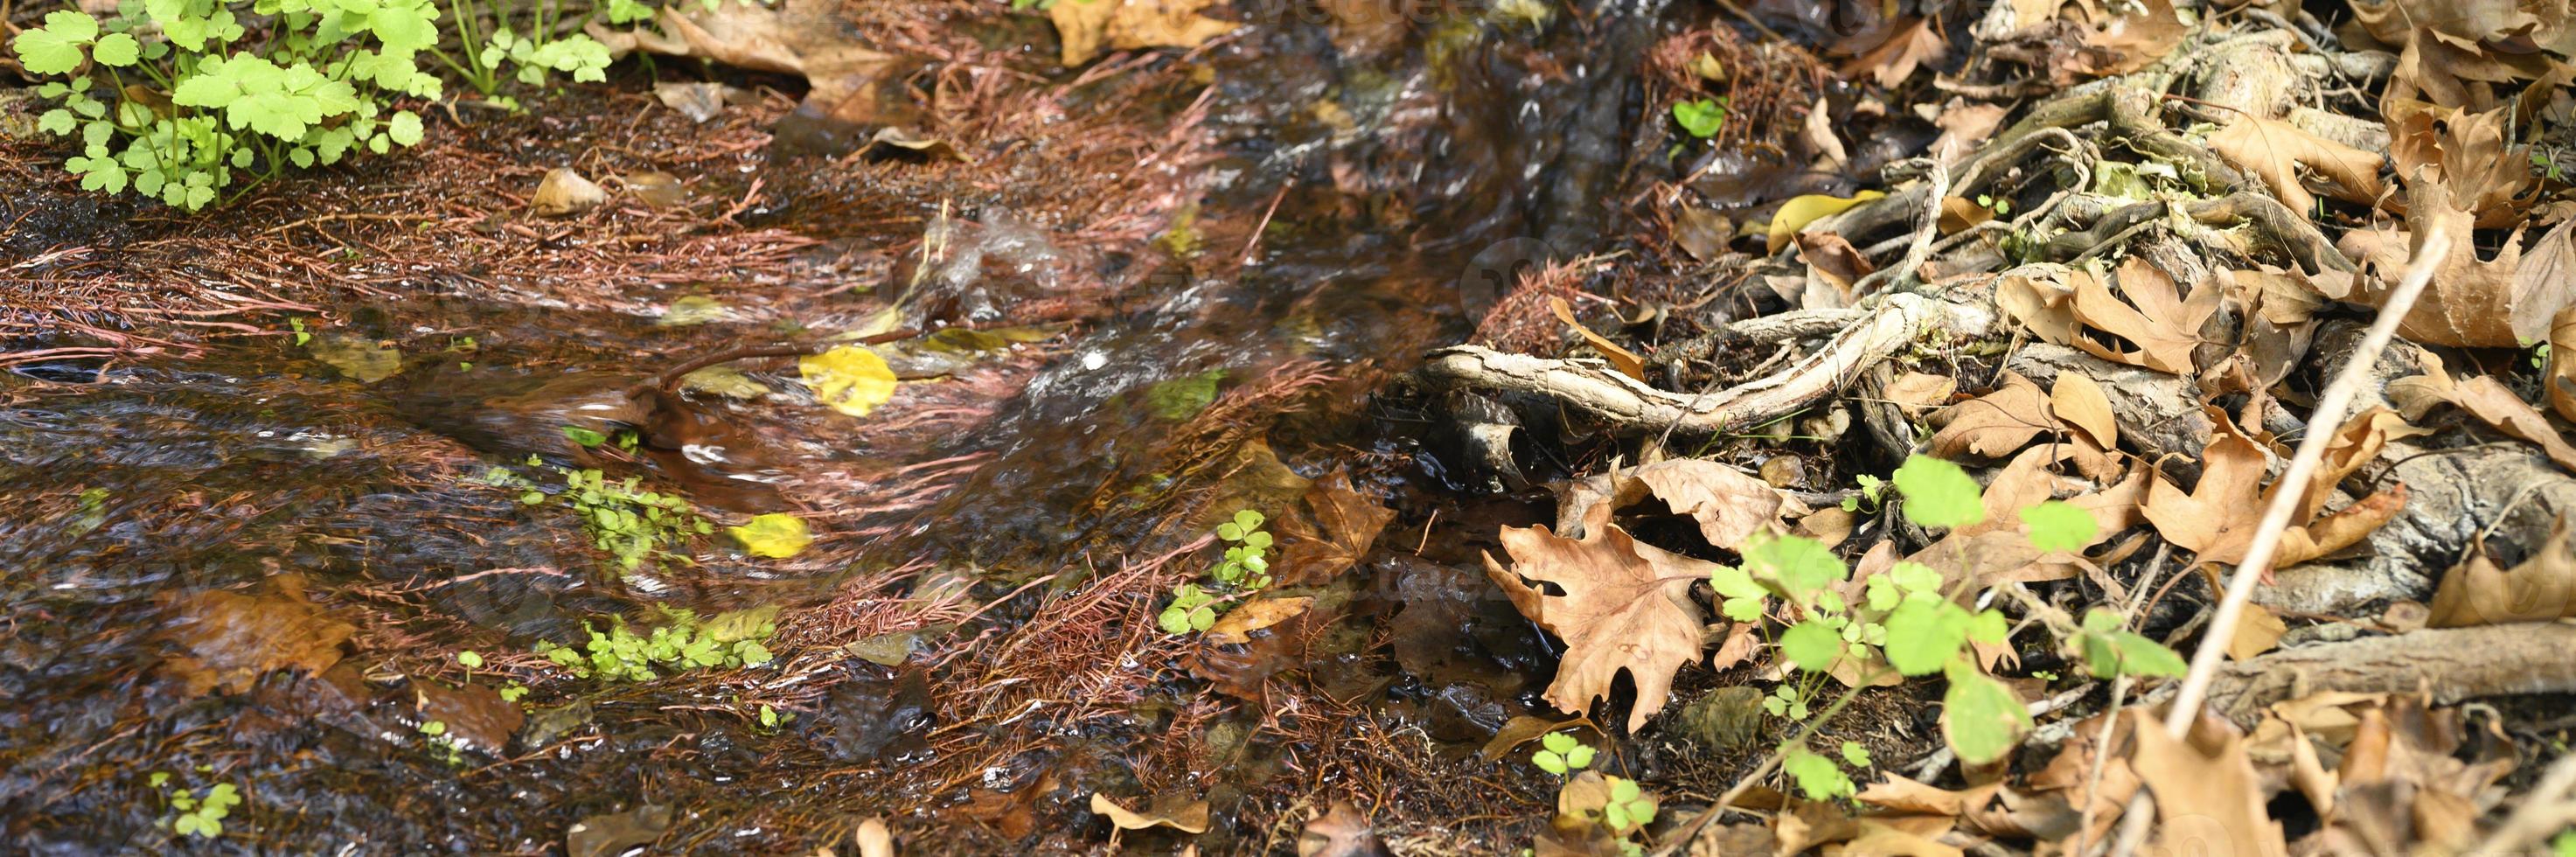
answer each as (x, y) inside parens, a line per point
(1477, 149)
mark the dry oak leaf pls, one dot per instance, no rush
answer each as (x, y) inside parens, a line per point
(2491, 402)
(2274, 150)
(1237, 625)
(2078, 401)
(1996, 424)
(2558, 377)
(1728, 505)
(2468, 154)
(2141, 39)
(1909, 47)
(1916, 392)
(2471, 302)
(232, 639)
(1087, 26)
(1169, 810)
(1627, 606)
(2164, 326)
(2216, 518)
(2541, 588)
(2208, 796)
(1341, 832)
(1346, 525)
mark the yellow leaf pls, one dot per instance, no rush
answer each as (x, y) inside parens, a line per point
(849, 379)
(773, 535)
(1802, 210)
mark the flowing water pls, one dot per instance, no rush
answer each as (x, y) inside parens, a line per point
(128, 491)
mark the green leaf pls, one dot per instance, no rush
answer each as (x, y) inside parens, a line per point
(1923, 635)
(1818, 777)
(116, 49)
(56, 47)
(57, 121)
(2057, 525)
(1802, 565)
(1812, 644)
(1855, 754)
(1742, 598)
(470, 659)
(404, 129)
(1980, 716)
(2111, 650)
(1938, 493)
(1702, 118)
(583, 436)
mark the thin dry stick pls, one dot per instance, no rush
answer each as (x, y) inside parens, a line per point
(2276, 517)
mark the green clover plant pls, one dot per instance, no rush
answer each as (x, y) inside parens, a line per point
(1559, 753)
(682, 642)
(1244, 570)
(200, 815)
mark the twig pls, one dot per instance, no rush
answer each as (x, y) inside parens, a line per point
(2312, 449)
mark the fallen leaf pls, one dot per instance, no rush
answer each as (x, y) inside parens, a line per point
(656, 189)
(2216, 519)
(2470, 302)
(1086, 28)
(2273, 150)
(1345, 526)
(1342, 831)
(1799, 211)
(2164, 327)
(1964, 125)
(2353, 446)
(905, 139)
(1702, 233)
(2343, 528)
(2495, 404)
(2077, 400)
(724, 381)
(2140, 39)
(700, 101)
(1916, 392)
(615, 832)
(873, 838)
(692, 310)
(776, 535)
(1996, 424)
(2467, 153)
(2208, 796)
(1626, 361)
(1818, 134)
(2540, 588)
(808, 38)
(474, 716)
(1626, 607)
(2558, 377)
(1908, 47)
(2257, 631)
(1175, 811)
(848, 379)
(1237, 624)
(1959, 214)
(563, 192)
(230, 639)
(364, 360)
(1728, 505)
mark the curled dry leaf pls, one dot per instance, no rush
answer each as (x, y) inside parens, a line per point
(564, 192)
(2539, 589)
(1627, 607)
(1175, 811)
(1122, 25)
(801, 37)
(1916, 392)
(2558, 378)
(2061, 305)
(1907, 48)
(2274, 151)
(2141, 38)
(1237, 624)
(1626, 361)
(2485, 398)
(1728, 504)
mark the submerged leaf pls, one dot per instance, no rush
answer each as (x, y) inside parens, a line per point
(848, 379)
(775, 535)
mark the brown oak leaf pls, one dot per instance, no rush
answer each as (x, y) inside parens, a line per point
(2274, 151)
(1627, 606)
(231, 639)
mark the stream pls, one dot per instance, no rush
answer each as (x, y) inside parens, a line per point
(998, 498)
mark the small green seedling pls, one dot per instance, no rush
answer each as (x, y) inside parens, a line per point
(1870, 488)
(1560, 753)
(1701, 117)
(200, 815)
(1245, 569)
(1189, 612)
(1629, 808)
(730, 640)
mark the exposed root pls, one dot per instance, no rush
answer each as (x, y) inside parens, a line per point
(1632, 406)
(2447, 664)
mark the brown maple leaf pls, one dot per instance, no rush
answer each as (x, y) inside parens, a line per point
(1996, 424)
(2217, 517)
(232, 639)
(1089, 26)
(2274, 151)
(1345, 526)
(2470, 302)
(2164, 327)
(1627, 606)
(1907, 48)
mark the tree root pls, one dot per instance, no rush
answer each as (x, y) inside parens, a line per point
(1630, 405)
(2447, 664)
(2274, 224)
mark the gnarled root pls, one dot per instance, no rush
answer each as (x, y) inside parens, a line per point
(2447, 664)
(1630, 405)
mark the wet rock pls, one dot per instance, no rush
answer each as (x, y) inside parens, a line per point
(549, 724)
(871, 718)
(1726, 721)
